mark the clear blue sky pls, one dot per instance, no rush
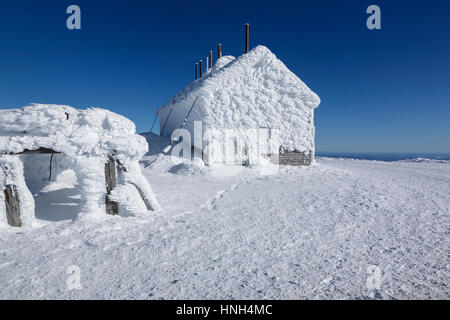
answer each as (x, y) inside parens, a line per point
(385, 90)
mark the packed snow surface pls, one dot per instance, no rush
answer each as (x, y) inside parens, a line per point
(255, 90)
(338, 229)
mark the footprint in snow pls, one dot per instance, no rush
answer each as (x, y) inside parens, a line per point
(219, 194)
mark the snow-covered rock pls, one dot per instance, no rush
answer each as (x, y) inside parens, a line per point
(253, 91)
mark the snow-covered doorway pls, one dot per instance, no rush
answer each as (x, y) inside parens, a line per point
(54, 186)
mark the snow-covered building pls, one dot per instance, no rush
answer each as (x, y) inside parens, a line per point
(98, 148)
(255, 91)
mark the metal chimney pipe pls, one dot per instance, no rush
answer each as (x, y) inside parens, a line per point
(210, 59)
(219, 51)
(196, 71)
(200, 67)
(247, 27)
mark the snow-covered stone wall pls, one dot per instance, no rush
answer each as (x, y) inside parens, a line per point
(87, 140)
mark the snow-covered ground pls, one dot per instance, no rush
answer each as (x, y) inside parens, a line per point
(339, 229)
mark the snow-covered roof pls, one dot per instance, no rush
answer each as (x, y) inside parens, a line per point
(93, 131)
(254, 90)
(263, 70)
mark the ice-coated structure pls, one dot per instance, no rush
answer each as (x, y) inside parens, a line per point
(252, 92)
(99, 146)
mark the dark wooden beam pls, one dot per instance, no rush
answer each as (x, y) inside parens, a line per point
(12, 206)
(111, 181)
(37, 151)
(144, 199)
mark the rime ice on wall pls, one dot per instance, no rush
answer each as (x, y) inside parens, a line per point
(255, 90)
(85, 138)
